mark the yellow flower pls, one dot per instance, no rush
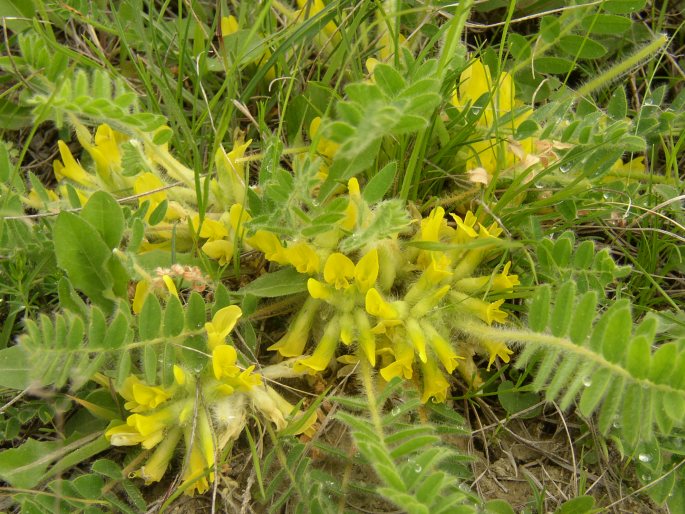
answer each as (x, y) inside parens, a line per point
(179, 375)
(221, 325)
(229, 25)
(338, 270)
(169, 283)
(496, 349)
(237, 217)
(277, 409)
(105, 152)
(465, 231)
(303, 257)
(293, 342)
(146, 182)
(140, 396)
(432, 225)
(434, 384)
(488, 312)
(377, 306)
(150, 427)
(231, 171)
(446, 354)
(220, 250)
(417, 337)
(404, 361)
(211, 229)
(197, 475)
(71, 169)
(366, 271)
(324, 146)
(269, 244)
(312, 7)
(325, 350)
(224, 358)
(157, 464)
(498, 283)
(319, 290)
(123, 435)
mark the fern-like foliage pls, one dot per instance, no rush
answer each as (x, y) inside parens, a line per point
(606, 362)
(74, 345)
(408, 456)
(592, 269)
(55, 92)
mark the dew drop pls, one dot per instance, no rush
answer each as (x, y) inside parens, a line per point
(538, 185)
(395, 411)
(646, 477)
(643, 457)
(587, 381)
(616, 424)
(476, 111)
(417, 468)
(566, 167)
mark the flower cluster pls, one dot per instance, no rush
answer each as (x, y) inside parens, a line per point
(397, 304)
(207, 410)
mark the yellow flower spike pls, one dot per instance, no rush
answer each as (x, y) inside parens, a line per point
(366, 271)
(229, 25)
(142, 290)
(324, 352)
(170, 285)
(220, 250)
(367, 340)
(338, 270)
(488, 312)
(269, 244)
(434, 384)
(198, 475)
(146, 182)
(150, 427)
(446, 354)
(123, 435)
(224, 358)
(179, 375)
(403, 364)
(293, 342)
(387, 45)
(303, 257)
(496, 349)
(417, 338)
(221, 325)
(377, 306)
(157, 464)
